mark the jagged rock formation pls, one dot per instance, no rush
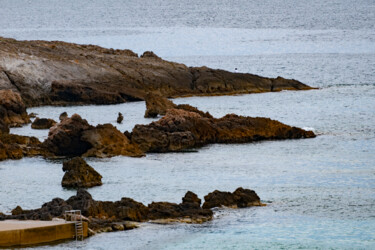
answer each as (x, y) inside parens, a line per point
(75, 137)
(42, 123)
(180, 129)
(45, 72)
(78, 174)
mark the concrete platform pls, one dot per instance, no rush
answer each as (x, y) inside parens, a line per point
(29, 232)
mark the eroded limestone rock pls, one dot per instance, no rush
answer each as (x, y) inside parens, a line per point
(79, 174)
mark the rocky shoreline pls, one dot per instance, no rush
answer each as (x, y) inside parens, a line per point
(60, 73)
(34, 73)
(106, 216)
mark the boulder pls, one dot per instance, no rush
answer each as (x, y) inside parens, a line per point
(75, 137)
(42, 123)
(12, 109)
(79, 174)
(238, 199)
(65, 137)
(180, 129)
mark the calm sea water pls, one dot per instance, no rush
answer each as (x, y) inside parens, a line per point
(320, 192)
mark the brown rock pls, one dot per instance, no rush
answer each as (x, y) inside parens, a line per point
(157, 105)
(47, 73)
(149, 54)
(79, 174)
(42, 123)
(65, 137)
(75, 137)
(17, 146)
(12, 109)
(106, 141)
(239, 198)
(3, 127)
(180, 129)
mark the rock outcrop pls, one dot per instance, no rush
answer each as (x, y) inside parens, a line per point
(75, 137)
(238, 199)
(64, 138)
(159, 105)
(180, 129)
(42, 123)
(107, 216)
(17, 146)
(54, 73)
(78, 174)
(12, 109)
(106, 141)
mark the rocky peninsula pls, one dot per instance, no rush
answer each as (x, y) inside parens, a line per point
(57, 73)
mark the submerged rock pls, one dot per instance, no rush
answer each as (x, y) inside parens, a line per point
(238, 199)
(42, 123)
(52, 72)
(79, 174)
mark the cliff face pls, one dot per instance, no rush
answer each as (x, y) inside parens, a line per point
(64, 73)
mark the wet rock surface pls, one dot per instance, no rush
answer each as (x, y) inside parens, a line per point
(180, 129)
(79, 174)
(45, 73)
(42, 123)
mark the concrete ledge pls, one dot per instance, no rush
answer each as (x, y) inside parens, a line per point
(29, 232)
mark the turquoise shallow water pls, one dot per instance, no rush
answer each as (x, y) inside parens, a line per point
(320, 192)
